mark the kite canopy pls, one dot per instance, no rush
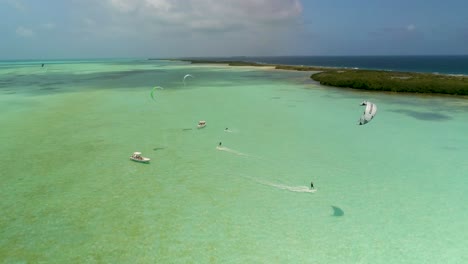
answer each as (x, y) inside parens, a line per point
(154, 89)
(369, 112)
(187, 75)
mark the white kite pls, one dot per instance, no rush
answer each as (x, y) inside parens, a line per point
(154, 89)
(369, 112)
(188, 75)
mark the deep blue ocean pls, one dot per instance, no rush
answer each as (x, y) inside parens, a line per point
(456, 64)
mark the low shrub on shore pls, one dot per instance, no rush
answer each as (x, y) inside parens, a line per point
(394, 81)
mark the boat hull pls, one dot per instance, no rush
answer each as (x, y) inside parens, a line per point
(143, 160)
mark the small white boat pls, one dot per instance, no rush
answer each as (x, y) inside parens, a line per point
(201, 124)
(138, 158)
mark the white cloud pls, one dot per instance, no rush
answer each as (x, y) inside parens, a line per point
(48, 26)
(187, 27)
(88, 21)
(17, 4)
(209, 14)
(400, 31)
(24, 32)
(123, 5)
(410, 27)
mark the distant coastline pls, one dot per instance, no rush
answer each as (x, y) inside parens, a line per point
(372, 80)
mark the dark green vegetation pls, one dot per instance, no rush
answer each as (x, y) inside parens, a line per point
(394, 81)
(373, 80)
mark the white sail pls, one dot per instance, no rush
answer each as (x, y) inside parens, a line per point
(369, 112)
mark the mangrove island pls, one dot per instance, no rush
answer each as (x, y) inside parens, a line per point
(373, 80)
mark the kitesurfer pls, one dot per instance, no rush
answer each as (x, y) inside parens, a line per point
(311, 185)
(220, 144)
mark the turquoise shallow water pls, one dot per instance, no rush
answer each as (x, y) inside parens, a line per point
(392, 191)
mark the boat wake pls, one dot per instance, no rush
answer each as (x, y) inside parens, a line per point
(232, 151)
(300, 189)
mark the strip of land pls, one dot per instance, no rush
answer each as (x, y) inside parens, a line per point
(373, 80)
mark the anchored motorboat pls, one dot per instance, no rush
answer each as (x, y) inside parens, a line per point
(201, 124)
(138, 158)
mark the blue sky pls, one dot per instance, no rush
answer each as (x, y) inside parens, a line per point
(31, 29)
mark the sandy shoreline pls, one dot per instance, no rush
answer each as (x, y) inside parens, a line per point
(363, 79)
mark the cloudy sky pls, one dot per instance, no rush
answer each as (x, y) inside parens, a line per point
(45, 29)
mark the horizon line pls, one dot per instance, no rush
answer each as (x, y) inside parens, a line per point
(230, 56)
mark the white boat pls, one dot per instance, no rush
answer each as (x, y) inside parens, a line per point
(201, 124)
(138, 158)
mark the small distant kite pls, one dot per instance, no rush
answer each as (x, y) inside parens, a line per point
(369, 112)
(185, 77)
(154, 89)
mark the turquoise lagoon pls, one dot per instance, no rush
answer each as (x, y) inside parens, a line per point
(392, 191)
